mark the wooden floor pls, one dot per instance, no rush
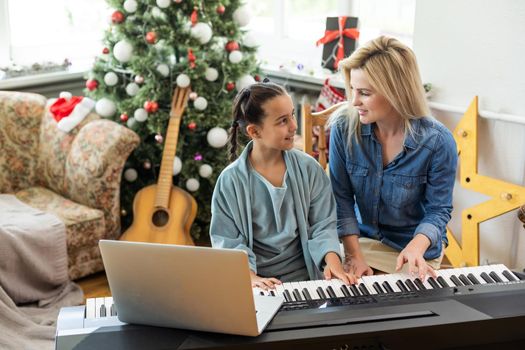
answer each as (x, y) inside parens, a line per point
(94, 286)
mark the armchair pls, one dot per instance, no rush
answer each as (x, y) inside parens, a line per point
(75, 176)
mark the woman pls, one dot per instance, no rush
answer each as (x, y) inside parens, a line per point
(392, 166)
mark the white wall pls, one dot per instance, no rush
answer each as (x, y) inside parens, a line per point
(477, 47)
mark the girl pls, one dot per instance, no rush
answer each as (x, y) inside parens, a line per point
(275, 202)
(392, 166)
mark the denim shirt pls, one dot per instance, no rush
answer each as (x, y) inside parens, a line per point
(410, 195)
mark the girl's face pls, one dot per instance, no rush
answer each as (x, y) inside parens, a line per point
(278, 127)
(371, 106)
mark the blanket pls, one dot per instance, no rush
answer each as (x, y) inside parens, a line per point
(33, 273)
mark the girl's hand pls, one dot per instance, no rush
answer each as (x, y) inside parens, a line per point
(263, 282)
(413, 255)
(357, 265)
(334, 268)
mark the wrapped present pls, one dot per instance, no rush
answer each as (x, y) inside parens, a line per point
(339, 40)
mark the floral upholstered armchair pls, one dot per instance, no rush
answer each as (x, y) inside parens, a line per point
(74, 175)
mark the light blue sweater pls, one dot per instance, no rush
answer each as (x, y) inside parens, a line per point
(232, 223)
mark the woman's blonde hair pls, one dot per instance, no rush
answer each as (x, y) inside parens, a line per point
(392, 71)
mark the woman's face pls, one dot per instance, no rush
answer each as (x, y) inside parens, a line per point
(371, 106)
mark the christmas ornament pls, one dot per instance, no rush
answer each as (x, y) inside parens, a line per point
(192, 184)
(242, 16)
(105, 51)
(230, 86)
(231, 45)
(159, 138)
(220, 9)
(200, 103)
(163, 69)
(183, 80)
(244, 81)
(211, 74)
(140, 115)
(147, 165)
(191, 58)
(197, 157)
(192, 126)
(132, 89)
(123, 212)
(235, 56)
(124, 117)
(105, 107)
(123, 51)
(151, 106)
(177, 1)
(257, 77)
(131, 175)
(157, 13)
(217, 137)
(117, 17)
(130, 6)
(151, 37)
(193, 95)
(194, 16)
(250, 40)
(139, 79)
(91, 84)
(177, 165)
(131, 122)
(205, 170)
(202, 32)
(111, 79)
(163, 3)
(69, 112)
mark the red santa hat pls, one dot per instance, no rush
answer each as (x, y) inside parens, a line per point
(69, 111)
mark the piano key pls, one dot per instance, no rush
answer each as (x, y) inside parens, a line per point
(509, 275)
(103, 310)
(464, 280)
(410, 285)
(90, 308)
(310, 286)
(442, 282)
(306, 294)
(473, 278)
(495, 276)
(378, 288)
(321, 293)
(331, 292)
(98, 304)
(297, 295)
(345, 291)
(279, 290)
(387, 287)
(287, 296)
(113, 310)
(336, 287)
(354, 290)
(487, 278)
(456, 280)
(401, 286)
(433, 283)
(272, 293)
(363, 289)
(503, 272)
(419, 284)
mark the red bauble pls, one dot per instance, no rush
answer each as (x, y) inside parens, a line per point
(117, 17)
(124, 117)
(232, 45)
(192, 126)
(220, 9)
(230, 86)
(151, 37)
(91, 84)
(105, 51)
(151, 106)
(257, 77)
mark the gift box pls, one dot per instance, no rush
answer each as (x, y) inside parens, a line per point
(339, 40)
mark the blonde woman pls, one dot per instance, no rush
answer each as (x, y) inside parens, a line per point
(392, 166)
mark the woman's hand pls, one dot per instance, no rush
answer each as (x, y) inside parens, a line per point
(334, 268)
(263, 282)
(413, 255)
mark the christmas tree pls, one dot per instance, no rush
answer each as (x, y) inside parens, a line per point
(151, 47)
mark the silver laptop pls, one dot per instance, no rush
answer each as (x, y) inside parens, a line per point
(198, 288)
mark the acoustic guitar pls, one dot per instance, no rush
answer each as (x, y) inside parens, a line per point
(163, 213)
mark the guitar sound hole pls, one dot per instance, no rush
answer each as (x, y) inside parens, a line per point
(160, 217)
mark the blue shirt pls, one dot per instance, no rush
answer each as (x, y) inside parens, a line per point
(410, 195)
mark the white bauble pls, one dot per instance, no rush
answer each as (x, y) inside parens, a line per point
(205, 170)
(105, 107)
(217, 137)
(65, 95)
(235, 56)
(157, 13)
(140, 115)
(132, 89)
(250, 40)
(242, 16)
(177, 165)
(163, 3)
(200, 103)
(130, 6)
(131, 122)
(211, 74)
(163, 69)
(131, 175)
(123, 51)
(111, 79)
(183, 80)
(202, 31)
(192, 184)
(244, 81)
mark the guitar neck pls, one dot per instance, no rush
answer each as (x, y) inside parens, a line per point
(164, 183)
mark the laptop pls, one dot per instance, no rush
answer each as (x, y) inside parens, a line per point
(197, 288)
